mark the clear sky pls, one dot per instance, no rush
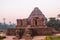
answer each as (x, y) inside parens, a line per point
(16, 9)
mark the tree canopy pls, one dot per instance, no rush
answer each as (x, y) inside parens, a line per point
(53, 22)
(6, 26)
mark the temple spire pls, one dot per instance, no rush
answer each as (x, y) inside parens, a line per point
(36, 13)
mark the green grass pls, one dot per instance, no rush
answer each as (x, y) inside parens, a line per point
(56, 38)
(48, 38)
(52, 38)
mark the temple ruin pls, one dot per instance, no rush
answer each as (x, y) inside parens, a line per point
(34, 25)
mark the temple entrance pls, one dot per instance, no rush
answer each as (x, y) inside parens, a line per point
(36, 19)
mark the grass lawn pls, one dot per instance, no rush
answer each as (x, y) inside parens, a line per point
(52, 38)
(56, 38)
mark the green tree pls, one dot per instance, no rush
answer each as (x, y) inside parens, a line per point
(53, 22)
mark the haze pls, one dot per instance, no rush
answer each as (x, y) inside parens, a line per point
(19, 9)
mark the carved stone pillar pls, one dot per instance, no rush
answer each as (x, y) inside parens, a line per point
(42, 21)
(32, 22)
(17, 33)
(24, 23)
(38, 22)
(19, 22)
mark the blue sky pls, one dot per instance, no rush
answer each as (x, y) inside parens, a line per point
(16, 9)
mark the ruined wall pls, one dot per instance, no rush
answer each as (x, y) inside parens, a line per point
(11, 31)
(24, 22)
(32, 22)
(19, 23)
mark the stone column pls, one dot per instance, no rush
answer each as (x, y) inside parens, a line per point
(41, 21)
(19, 22)
(38, 22)
(17, 33)
(24, 23)
(32, 22)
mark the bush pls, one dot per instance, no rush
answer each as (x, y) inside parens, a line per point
(2, 37)
(56, 38)
(48, 38)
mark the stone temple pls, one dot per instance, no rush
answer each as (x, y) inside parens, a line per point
(34, 25)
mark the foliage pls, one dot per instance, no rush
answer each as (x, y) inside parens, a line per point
(2, 37)
(48, 38)
(53, 22)
(52, 38)
(6, 26)
(56, 38)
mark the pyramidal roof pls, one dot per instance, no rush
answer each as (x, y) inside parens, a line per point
(36, 13)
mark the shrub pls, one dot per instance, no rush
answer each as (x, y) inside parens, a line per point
(2, 37)
(48, 38)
